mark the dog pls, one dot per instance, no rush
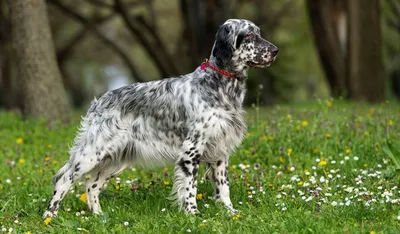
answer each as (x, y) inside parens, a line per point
(188, 120)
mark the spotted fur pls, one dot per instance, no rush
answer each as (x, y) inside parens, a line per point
(188, 120)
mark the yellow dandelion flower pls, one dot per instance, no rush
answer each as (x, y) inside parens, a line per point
(322, 162)
(233, 167)
(83, 197)
(28, 232)
(328, 135)
(289, 151)
(21, 160)
(165, 169)
(202, 225)
(281, 159)
(390, 123)
(300, 183)
(372, 232)
(298, 127)
(329, 104)
(47, 159)
(371, 110)
(47, 221)
(365, 165)
(199, 196)
(249, 192)
(305, 171)
(54, 162)
(19, 140)
(288, 117)
(366, 133)
(264, 138)
(304, 123)
(348, 151)
(316, 151)
(271, 138)
(248, 134)
(166, 182)
(49, 146)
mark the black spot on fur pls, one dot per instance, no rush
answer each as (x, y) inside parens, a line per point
(94, 186)
(183, 167)
(219, 163)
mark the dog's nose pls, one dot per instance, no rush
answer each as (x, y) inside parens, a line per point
(274, 50)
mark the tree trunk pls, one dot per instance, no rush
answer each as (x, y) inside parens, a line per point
(322, 19)
(44, 94)
(366, 76)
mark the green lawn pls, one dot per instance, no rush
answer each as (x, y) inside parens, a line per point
(324, 167)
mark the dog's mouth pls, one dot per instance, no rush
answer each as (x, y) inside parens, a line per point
(265, 63)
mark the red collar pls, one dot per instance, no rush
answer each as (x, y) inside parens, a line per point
(207, 63)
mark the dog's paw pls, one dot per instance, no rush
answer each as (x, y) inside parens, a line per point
(49, 214)
(232, 211)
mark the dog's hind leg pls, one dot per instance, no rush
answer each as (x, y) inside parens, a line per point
(78, 165)
(97, 180)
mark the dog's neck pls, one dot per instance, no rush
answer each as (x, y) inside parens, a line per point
(239, 71)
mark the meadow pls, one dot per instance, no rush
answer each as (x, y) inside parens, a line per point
(323, 167)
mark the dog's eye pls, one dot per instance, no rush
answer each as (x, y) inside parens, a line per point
(250, 35)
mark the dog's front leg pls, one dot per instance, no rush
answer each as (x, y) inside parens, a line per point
(186, 170)
(218, 173)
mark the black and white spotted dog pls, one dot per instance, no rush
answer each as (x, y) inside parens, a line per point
(187, 120)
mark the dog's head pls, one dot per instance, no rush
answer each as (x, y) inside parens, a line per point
(238, 45)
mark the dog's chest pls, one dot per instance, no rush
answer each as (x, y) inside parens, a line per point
(226, 131)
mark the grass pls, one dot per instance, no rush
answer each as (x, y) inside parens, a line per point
(326, 167)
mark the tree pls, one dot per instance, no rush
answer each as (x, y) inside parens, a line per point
(347, 35)
(43, 92)
(365, 67)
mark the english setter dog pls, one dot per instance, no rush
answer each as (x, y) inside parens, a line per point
(186, 120)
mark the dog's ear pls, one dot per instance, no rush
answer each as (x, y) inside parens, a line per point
(223, 46)
(239, 40)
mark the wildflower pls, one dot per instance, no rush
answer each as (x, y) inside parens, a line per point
(300, 183)
(47, 221)
(188, 230)
(47, 159)
(322, 162)
(372, 232)
(366, 133)
(328, 135)
(271, 138)
(264, 138)
(304, 123)
(298, 127)
(19, 140)
(126, 223)
(166, 182)
(199, 196)
(28, 232)
(316, 151)
(83, 198)
(329, 104)
(289, 151)
(202, 225)
(355, 158)
(21, 161)
(235, 217)
(390, 123)
(348, 151)
(288, 117)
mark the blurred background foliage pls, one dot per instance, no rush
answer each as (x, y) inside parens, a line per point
(103, 44)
